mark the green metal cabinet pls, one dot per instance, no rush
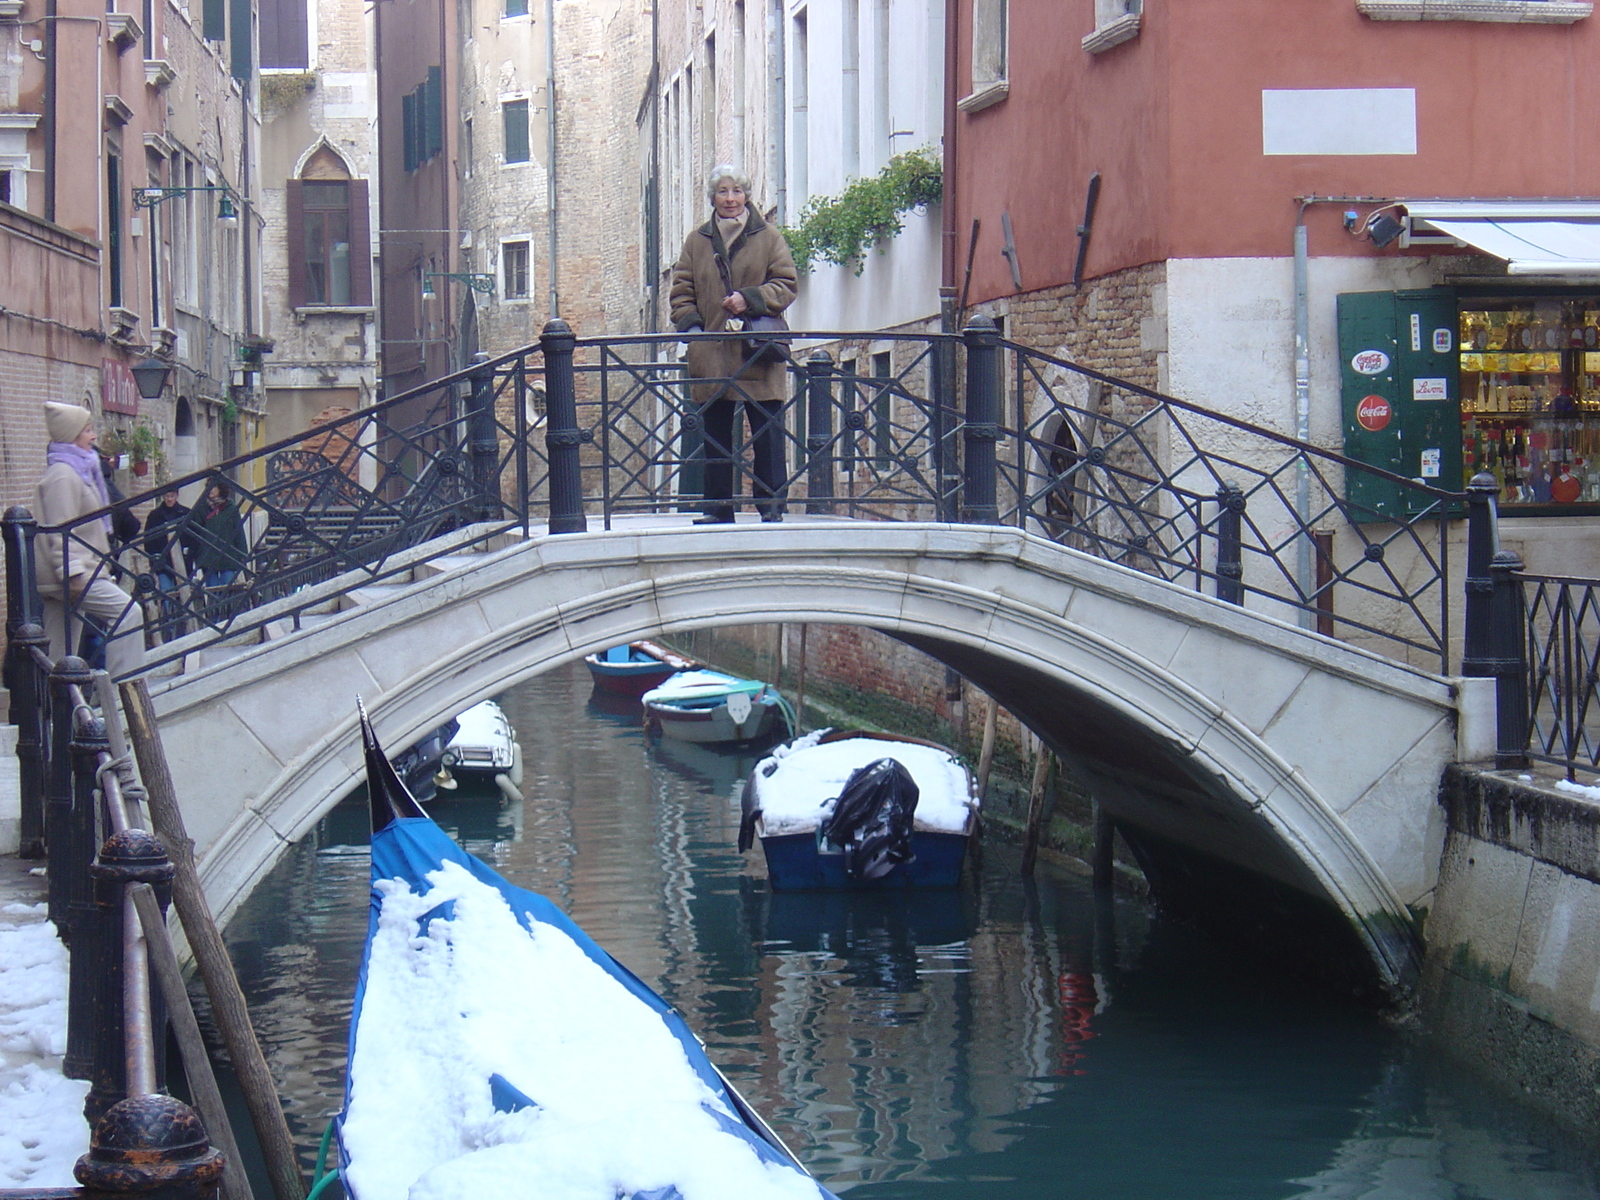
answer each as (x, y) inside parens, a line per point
(1401, 396)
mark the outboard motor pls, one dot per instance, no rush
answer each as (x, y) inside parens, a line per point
(871, 820)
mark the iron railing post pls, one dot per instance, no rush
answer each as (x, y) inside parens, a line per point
(68, 879)
(484, 439)
(151, 1146)
(1509, 661)
(946, 464)
(563, 438)
(95, 974)
(25, 634)
(1230, 544)
(982, 429)
(1477, 650)
(819, 432)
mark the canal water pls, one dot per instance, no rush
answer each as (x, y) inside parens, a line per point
(1011, 1039)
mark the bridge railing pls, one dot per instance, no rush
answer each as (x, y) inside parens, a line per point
(925, 426)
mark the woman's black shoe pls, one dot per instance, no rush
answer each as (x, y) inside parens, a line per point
(771, 516)
(715, 518)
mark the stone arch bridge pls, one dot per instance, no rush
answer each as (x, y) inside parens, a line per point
(1280, 760)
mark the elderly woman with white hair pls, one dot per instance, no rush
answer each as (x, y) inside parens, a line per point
(734, 267)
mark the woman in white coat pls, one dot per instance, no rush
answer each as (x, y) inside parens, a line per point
(76, 566)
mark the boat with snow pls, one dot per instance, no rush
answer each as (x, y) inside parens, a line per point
(633, 669)
(713, 708)
(845, 809)
(496, 1050)
(484, 748)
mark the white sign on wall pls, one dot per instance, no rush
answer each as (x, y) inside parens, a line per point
(1339, 121)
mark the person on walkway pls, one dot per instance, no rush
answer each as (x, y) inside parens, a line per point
(735, 266)
(216, 534)
(160, 546)
(74, 567)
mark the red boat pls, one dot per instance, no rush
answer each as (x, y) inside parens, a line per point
(634, 669)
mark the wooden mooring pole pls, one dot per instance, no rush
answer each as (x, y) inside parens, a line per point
(210, 952)
(1037, 793)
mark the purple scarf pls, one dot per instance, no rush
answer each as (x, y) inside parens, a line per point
(87, 464)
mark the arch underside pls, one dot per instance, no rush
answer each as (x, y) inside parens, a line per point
(1188, 784)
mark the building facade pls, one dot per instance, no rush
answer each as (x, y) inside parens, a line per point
(129, 226)
(1305, 223)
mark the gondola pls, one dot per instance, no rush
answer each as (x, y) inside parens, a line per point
(496, 1050)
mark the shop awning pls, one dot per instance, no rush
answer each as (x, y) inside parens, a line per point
(1534, 237)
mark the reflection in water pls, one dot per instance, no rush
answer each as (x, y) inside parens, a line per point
(1003, 1039)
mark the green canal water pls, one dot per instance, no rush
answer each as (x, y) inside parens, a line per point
(1011, 1039)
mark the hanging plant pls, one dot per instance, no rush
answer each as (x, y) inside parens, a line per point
(839, 229)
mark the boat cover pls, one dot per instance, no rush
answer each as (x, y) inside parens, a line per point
(872, 819)
(409, 848)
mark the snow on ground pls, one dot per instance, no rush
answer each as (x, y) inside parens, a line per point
(1587, 791)
(42, 1129)
(618, 1105)
(797, 785)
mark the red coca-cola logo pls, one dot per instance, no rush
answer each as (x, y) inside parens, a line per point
(1373, 413)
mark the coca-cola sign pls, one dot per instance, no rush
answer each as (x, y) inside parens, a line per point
(1369, 362)
(1373, 413)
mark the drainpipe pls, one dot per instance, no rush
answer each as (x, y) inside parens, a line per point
(948, 244)
(1302, 405)
(550, 140)
(777, 109)
(50, 60)
(652, 216)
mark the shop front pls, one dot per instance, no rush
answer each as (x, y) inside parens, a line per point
(1441, 384)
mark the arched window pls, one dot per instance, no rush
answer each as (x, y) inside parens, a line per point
(330, 255)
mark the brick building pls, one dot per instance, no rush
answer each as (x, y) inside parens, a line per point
(128, 229)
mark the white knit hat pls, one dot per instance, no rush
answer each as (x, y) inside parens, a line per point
(64, 422)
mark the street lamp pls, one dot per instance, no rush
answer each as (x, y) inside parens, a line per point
(227, 211)
(477, 281)
(150, 376)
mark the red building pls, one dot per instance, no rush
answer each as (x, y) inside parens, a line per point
(1262, 170)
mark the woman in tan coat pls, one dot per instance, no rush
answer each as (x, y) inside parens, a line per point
(77, 566)
(739, 244)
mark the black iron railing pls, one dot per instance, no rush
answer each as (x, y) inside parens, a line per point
(1563, 666)
(939, 427)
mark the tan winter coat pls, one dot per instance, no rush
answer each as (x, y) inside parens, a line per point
(64, 496)
(762, 271)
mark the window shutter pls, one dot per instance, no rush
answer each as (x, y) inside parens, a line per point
(433, 109)
(295, 223)
(360, 245)
(239, 35)
(214, 20)
(408, 123)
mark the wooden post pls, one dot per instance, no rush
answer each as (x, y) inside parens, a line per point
(1104, 863)
(800, 686)
(196, 1062)
(986, 754)
(1036, 807)
(210, 953)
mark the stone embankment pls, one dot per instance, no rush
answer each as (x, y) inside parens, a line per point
(1511, 980)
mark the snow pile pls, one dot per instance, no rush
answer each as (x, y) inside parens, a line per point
(796, 786)
(42, 1130)
(617, 1106)
(1586, 791)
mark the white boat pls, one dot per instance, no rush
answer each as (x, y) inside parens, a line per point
(711, 707)
(860, 810)
(484, 747)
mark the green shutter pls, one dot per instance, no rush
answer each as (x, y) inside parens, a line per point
(1368, 391)
(433, 113)
(1429, 383)
(214, 20)
(239, 31)
(515, 114)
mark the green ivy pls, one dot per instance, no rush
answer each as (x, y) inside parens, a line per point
(839, 229)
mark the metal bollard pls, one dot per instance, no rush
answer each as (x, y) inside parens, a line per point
(1509, 662)
(819, 433)
(153, 1146)
(1230, 544)
(1477, 650)
(563, 439)
(68, 878)
(484, 440)
(982, 430)
(94, 946)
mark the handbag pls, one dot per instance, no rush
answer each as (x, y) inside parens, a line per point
(768, 337)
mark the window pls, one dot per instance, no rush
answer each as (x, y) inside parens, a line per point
(516, 8)
(882, 408)
(1115, 22)
(851, 88)
(329, 236)
(514, 260)
(422, 120)
(514, 116)
(114, 228)
(285, 41)
(800, 112)
(990, 31)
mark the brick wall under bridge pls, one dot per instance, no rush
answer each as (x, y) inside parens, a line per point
(1282, 756)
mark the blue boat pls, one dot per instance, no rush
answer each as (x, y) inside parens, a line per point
(852, 810)
(633, 669)
(459, 1085)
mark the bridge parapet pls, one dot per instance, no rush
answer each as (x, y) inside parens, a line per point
(937, 428)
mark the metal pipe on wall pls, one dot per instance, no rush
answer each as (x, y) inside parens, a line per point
(550, 143)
